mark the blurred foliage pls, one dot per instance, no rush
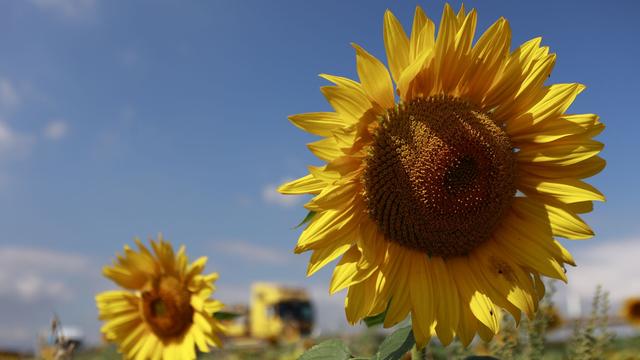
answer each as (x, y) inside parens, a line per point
(591, 340)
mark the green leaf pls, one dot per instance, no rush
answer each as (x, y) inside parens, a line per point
(306, 219)
(224, 315)
(327, 350)
(378, 319)
(475, 357)
(396, 345)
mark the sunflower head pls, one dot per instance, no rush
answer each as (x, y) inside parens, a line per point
(165, 309)
(447, 177)
(631, 310)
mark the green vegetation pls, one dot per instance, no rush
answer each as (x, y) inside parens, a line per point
(591, 340)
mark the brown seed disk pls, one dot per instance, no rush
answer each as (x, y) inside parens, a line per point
(439, 176)
(166, 308)
(634, 311)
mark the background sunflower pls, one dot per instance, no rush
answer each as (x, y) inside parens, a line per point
(166, 310)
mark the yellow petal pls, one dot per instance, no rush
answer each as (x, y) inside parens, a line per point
(510, 239)
(318, 123)
(445, 40)
(563, 222)
(479, 303)
(375, 78)
(461, 14)
(326, 176)
(561, 152)
(326, 149)
(409, 77)
(468, 324)
(124, 278)
(396, 44)
(421, 39)
(539, 285)
(308, 184)
(485, 333)
(422, 296)
(533, 234)
(350, 104)
(508, 279)
(579, 170)
(400, 304)
(486, 59)
(556, 128)
(346, 272)
(448, 307)
(343, 82)
(372, 244)
(580, 207)
(333, 197)
(452, 48)
(322, 256)
(328, 226)
(565, 190)
(556, 100)
(520, 85)
(360, 301)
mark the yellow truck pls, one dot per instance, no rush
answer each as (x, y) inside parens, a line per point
(276, 313)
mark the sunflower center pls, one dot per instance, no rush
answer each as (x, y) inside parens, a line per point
(439, 176)
(635, 311)
(167, 307)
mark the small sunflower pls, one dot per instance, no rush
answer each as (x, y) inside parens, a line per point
(443, 194)
(631, 310)
(165, 311)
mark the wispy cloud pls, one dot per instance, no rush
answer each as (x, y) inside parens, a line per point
(41, 282)
(253, 252)
(270, 195)
(9, 96)
(69, 9)
(56, 130)
(611, 263)
(31, 273)
(12, 142)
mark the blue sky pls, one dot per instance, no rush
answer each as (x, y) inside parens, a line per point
(124, 119)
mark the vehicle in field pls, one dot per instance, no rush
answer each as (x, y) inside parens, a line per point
(276, 313)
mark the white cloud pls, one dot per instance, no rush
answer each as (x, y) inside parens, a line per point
(56, 130)
(12, 142)
(611, 263)
(252, 252)
(9, 97)
(270, 195)
(31, 274)
(71, 9)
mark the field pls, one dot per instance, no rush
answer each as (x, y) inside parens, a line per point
(365, 345)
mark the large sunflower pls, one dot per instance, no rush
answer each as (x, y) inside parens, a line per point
(443, 195)
(165, 311)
